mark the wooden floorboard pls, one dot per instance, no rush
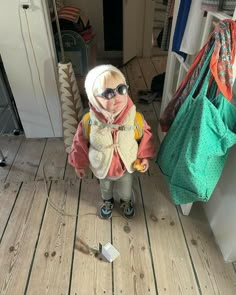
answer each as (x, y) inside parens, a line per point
(53, 161)
(160, 63)
(20, 238)
(26, 163)
(149, 112)
(8, 195)
(70, 173)
(51, 268)
(214, 275)
(172, 263)
(157, 108)
(135, 78)
(133, 270)
(148, 70)
(45, 251)
(90, 274)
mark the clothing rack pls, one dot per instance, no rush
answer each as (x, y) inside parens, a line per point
(177, 67)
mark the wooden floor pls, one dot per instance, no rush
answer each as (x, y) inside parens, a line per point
(49, 245)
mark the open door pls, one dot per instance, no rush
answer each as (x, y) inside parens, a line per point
(129, 29)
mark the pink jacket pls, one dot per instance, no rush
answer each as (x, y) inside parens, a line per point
(78, 156)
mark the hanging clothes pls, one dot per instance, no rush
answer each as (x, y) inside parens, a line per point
(221, 64)
(193, 153)
(192, 34)
(181, 21)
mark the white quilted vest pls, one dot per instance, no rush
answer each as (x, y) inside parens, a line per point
(102, 146)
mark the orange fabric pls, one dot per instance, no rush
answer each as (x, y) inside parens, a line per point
(215, 65)
(218, 66)
(223, 38)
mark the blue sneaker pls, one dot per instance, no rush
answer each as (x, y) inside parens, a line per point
(127, 208)
(106, 209)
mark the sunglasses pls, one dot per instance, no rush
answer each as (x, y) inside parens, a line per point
(109, 93)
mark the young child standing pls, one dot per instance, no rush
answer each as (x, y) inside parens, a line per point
(110, 138)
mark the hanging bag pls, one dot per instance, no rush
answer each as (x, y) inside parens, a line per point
(193, 153)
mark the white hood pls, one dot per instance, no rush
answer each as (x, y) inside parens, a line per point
(91, 78)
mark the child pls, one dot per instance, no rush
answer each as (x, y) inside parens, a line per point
(105, 138)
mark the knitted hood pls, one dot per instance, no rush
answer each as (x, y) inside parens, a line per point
(90, 80)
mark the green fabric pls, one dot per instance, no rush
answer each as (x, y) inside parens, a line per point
(193, 153)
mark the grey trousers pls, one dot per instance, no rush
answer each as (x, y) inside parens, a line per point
(122, 187)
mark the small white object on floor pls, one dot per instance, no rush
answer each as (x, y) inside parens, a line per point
(109, 251)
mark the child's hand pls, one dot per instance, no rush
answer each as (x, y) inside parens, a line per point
(145, 164)
(141, 165)
(80, 173)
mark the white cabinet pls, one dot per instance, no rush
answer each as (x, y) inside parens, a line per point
(221, 209)
(28, 56)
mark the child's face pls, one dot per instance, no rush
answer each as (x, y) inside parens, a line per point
(115, 104)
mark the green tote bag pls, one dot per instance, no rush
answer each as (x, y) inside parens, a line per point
(193, 153)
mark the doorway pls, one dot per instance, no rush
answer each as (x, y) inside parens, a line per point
(113, 25)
